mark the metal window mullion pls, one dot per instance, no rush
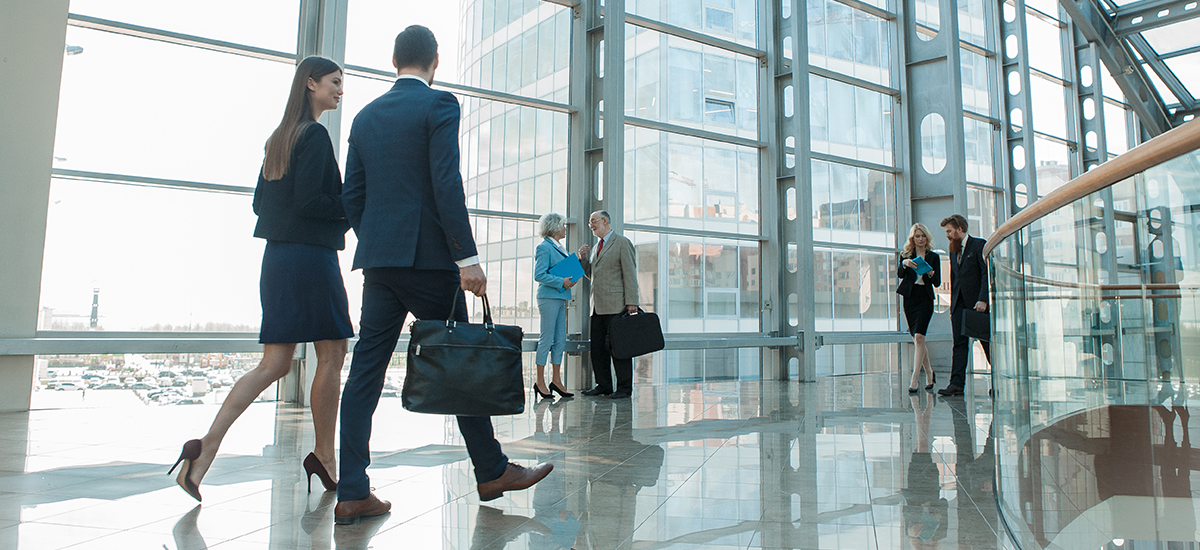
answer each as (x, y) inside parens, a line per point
(688, 34)
(481, 93)
(126, 179)
(801, 228)
(1168, 77)
(1072, 106)
(772, 301)
(691, 132)
(323, 32)
(581, 134)
(150, 33)
(613, 121)
(700, 233)
(826, 157)
(856, 82)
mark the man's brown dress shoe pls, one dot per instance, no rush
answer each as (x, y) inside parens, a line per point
(514, 478)
(348, 512)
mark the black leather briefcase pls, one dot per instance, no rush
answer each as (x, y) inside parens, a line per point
(977, 324)
(464, 369)
(634, 335)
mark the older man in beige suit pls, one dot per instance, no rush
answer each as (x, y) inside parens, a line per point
(613, 272)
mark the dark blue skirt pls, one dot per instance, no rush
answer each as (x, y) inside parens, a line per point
(303, 295)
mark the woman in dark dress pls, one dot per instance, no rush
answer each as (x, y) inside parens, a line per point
(299, 205)
(918, 302)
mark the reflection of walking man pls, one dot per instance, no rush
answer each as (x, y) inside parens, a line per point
(968, 288)
(404, 198)
(613, 271)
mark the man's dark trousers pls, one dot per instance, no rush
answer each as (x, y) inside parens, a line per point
(389, 295)
(962, 349)
(602, 354)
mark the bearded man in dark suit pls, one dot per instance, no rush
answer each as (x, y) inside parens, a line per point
(968, 289)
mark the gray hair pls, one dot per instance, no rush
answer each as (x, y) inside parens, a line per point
(550, 224)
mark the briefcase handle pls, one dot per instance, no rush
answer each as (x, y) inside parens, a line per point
(627, 314)
(487, 314)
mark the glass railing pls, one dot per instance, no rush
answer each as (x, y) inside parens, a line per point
(1096, 354)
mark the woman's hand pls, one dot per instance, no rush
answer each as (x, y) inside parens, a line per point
(568, 283)
(909, 264)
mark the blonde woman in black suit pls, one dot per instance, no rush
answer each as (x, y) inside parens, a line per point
(918, 301)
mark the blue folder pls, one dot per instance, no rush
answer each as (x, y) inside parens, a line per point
(923, 267)
(568, 267)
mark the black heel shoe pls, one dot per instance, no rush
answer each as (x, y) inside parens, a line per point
(930, 386)
(560, 391)
(191, 451)
(313, 466)
(544, 395)
(912, 390)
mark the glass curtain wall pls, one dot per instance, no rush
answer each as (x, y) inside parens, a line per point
(853, 86)
(150, 219)
(691, 200)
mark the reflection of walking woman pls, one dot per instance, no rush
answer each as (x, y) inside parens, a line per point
(924, 509)
(918, 301)
(299, 206)
(552, 295)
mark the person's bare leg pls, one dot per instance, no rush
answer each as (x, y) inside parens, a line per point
(541, 379)
(920, 360)
(326, 389)
(928, 366)
(556, 378)
(276, 362)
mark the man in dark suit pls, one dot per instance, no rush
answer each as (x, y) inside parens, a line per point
(404, 198)
(968, 288)
(613, 271)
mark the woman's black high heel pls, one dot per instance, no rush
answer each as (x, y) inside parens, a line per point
(560, 391)
(930, 386)
(191, 451)
(544, 395)
(313, 466)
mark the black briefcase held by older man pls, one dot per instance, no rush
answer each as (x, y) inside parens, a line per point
(636, 334)
(464, 369)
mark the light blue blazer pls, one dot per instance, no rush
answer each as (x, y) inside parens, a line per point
(545, 256)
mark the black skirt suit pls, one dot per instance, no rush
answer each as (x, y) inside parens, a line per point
(301, 217)
(918, 305)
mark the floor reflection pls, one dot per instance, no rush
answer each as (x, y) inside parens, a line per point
(845, 462)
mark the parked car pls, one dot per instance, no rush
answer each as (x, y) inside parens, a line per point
(69, 386)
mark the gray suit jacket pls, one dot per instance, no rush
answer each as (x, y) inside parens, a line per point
(614, 276)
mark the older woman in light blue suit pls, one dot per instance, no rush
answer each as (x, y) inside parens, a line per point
(552, 295)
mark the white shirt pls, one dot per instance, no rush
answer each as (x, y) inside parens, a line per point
(465, 262)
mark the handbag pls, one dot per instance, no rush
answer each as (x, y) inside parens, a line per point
(464, 369)
(976, 324)
(634, 335)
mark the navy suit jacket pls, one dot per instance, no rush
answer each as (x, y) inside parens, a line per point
(969, 278)
(403, 192)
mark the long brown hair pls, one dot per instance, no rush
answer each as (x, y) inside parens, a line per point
(910, 248)
(297, 115)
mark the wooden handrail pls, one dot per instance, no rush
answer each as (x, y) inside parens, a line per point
(1163, 148)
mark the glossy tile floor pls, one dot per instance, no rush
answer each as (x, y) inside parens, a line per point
(844, 462)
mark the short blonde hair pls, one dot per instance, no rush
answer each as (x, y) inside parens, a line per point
(550, 224)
